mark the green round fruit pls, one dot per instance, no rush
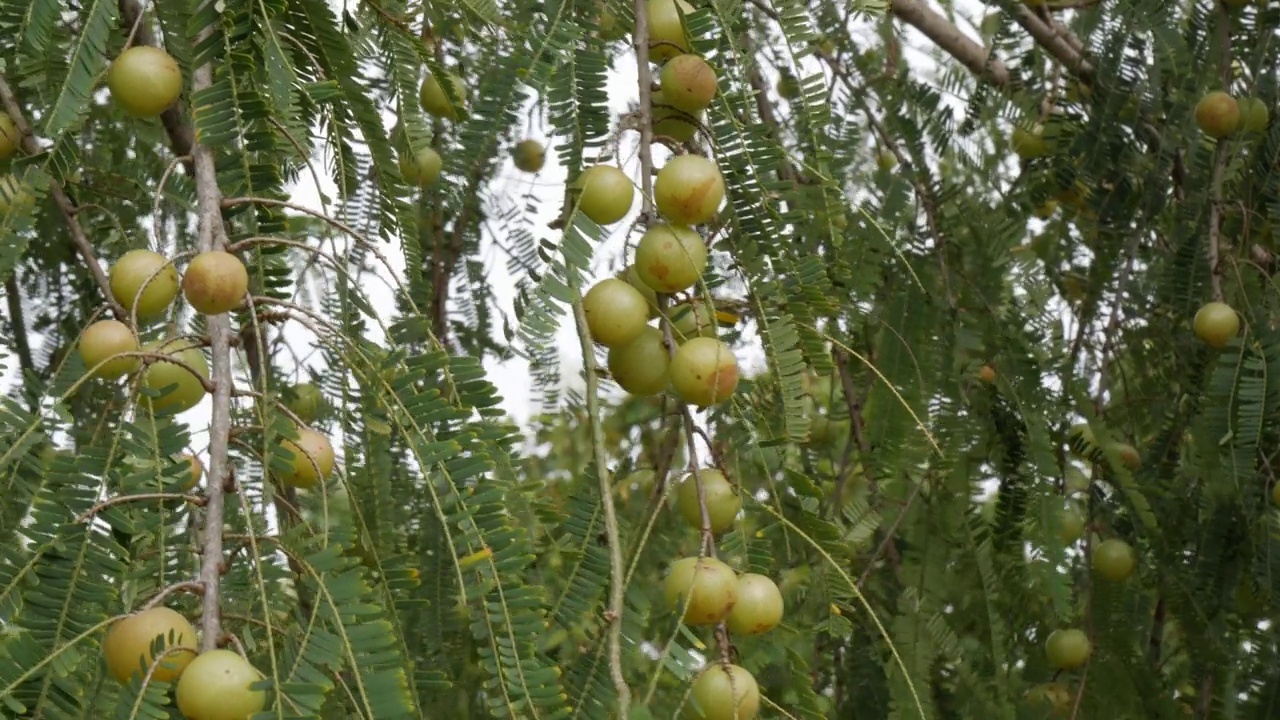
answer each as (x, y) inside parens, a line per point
(724, 692)
(136, 268)
(605, 194)
(215, 282)
(708, 585)
(688, 83)
(10, 138)
(759, 608)
(1217, 114)
(1114, 560)
(1216, 323)
(1254, 115)
(704, 372)
(688, 190)
(434, 101)
(195, 471)
(666, 29)
(670, 258)
(640, 367)
(1068, 649)
(421, 168)
(616, 312)
(886, 160)
(104, 339)
(312, 460)
(1070, 523)
(144, 81)
(723, 502)
(692, 318)
(788, 86)
(529, 156)
(217, 686)
(306, 402)
(160, 374)
(129, 643)
(632, 278)
(670, 122)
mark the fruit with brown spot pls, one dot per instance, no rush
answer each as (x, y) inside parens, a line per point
(215, 282)
(670, 258)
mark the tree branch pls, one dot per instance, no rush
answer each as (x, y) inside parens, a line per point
(951, 39)
(212, 236)
(68, 208)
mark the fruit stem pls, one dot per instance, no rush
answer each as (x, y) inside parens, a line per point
(612, 536)
(212, 236)
(31, 147)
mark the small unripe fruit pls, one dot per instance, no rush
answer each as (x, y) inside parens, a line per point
(1070, 523)
(987, 374)
(671, 122)
(688, 83)
(666, 29)
(10, 138)
(605, 194)
(704, 372)
(529, 156)
(723, 502)
(312, 459)
(759, 607)
(886, 160)
(215, 282)
(136, 268)
(1217, 114)
(1216, 323)
(650, 295)
(708, 585)
(692, 318)
(103, 339)
(641, 366)
(306, 402)
(1114, 560)
(195, 472)
(434, 101)
(670, 258)
(724, 692)
(216, 686)
(1068, 649)
(129, 642)
(616, 312)
(144, 81)
(1129, 455)
(688, 190)
(188, 390)
(1254, 115)
(422, 167)
(788, 86)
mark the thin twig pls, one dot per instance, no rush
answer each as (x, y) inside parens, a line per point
(121, 499)
(191, 586)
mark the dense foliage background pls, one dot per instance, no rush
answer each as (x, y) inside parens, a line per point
(926, 316)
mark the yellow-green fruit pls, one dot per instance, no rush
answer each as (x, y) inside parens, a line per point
(1114, 560)
(704, 371)
(1254, 115)
(129, 643)
(1217, 114)
(217, 686)
(671, 122)
(1128, 455)
(723, 692)
(691, 319)
(641, 366)
(1070, 523)
(103, 339)
(886, 160)
(188, 389)
(759, 608)
(1056, 695)
(722, 500)
(1216, 323)
(306, 402)
(1029, 144)
(707, 589)
(14, 195)
(10, 138)
(605, 193)
(688, 83)
(434, 101)
(144, 81)
(670, 258)
(666, 29)
(788, 86)
(312, 459)
(616, 312)
(610, 28)
(137, 268)
(215, 282)
(1068, 649)
(422, 167)
(529, 156)
(688, 190)
(632, 277)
